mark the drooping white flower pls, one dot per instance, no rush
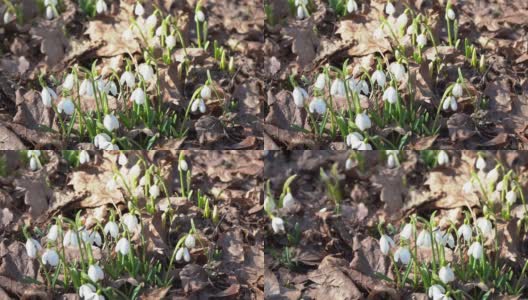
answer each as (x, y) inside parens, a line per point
(442, 158)
(102, 140)
(379, 77)
(95, 273)
(446, 275)
(492, 176)
(206, 92)
(385, 243)
(457, 90)
(362, 121)
(392, 161)
(481, 163)
(424, 239)
(199, 16)
(139, 10)
(122, 159)
(402, 20)
(348, 163)
(183, 253)
(151, 22)
(485, 226)
(300, 13)
(288, 201)
(68, 83)
(32, 247)
(198, 104)
(170, 41)
(66, 106)
(277, 224)
(190, 241)
(421, 40)
(34, 164)
(95, 238)
(87, 291)
(444, 239)
(397, 70)
(70, 239)
(363, 87)
(435, 290)
(110, 122)
(451, 14)
(135, 171)
(476, 250)
(318, 105)
(364, 146)
(407, 232)
(390, 95)
(50, 14)
(450, 102)
(131, 222)
(138, 96)
(111, 88)
(511, 197)
(101, 7)
(9, 17)
(183, 165)
(299, 96)
(354, 140)
(112, 229)
(402, 255)
(123, 246)
(351, 6)
(338, 88)
(320, 83)
(48, 95)
(128, 78)
(154, 191)
(465, 231)
(84, 157)
(146, 71)
(86, 88)
(53, 233)
(50, 257)
(389, 9)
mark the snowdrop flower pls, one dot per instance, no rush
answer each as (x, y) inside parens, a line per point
(476, 250)
(446, 274)
(9, 17)
(87, 291)
(362, 121)
(402, 255)
(199, 16)
(385, 243)
(435, 291)
(154, 191)
(318, 105)
(363, 87)
(397, 70)
(110, 88)
(364, 146)
(33, 164)
(110, 122)
(95, 273)
(50, 257)
(49, 13)
(123, 246)
(53, 233)
(348, 163)
(128, 78)
(48, 95)
(32, 247)
(338, 88)
(424, 239)
(421, 40)
(442, 158)
(485, 226)
(457, 90)
(379, 77)
(468, 187)
(182, 166)
(95, 238)
(135, 171)
(86, 88)
(288, 201)
(492, 176)
(146, 71)
(170, 41)
(198, 105)
(122, 160)
(511, 197)
(351, 6)
(101, 7)
(138, 96)
(70, 239)
(407, 231)
(450, 102)
(299, 95)
(481, 163)
(183, 253)
(390, 95)
(205, 93)
(500, 186)
(402, 20)
(444, 239)
(68, 83)
(277, 224)
(269, 204)
(139, 10)
(465, 231)
(392, 161)
(84, 157)
(389, 9)
(112, 229)
(320, 82)
(66, 106)
(354, 140)
(102, 140)
(151, 22)
(51, 2)
(300, 13)
(131, 222)
(451, 14)
(190, 241)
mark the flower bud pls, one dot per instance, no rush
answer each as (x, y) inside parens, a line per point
(190, 241)
(277, 224)
(32, 247)
(385, 243)
(457, 90)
